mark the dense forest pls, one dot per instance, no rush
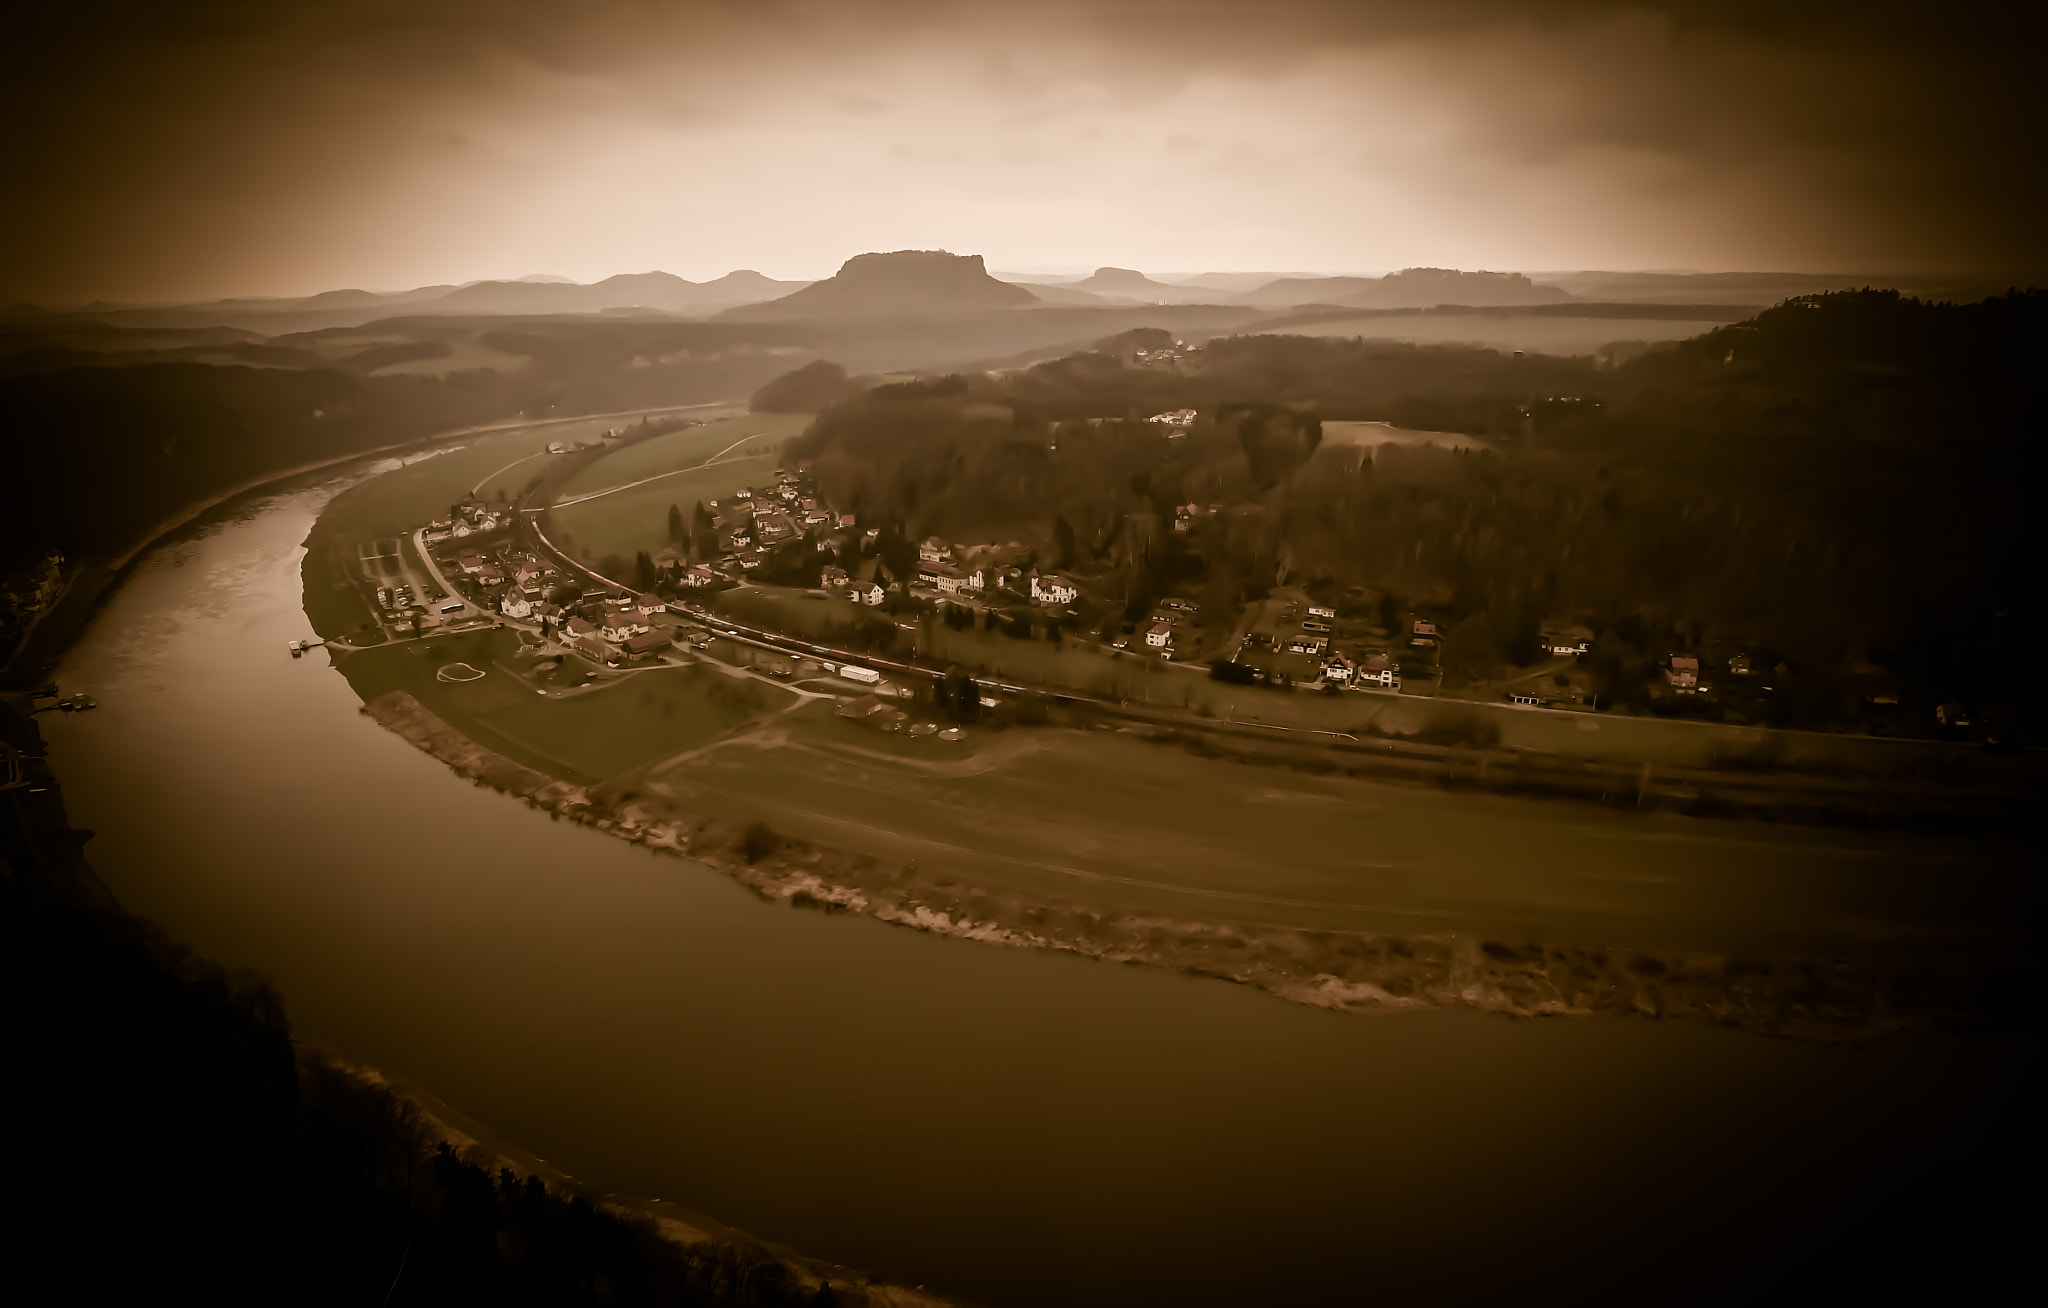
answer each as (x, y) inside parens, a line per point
(1839, 486)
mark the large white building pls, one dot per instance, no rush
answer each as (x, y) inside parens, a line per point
(1047, 588)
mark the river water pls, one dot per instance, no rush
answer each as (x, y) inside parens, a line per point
(1015, 1127)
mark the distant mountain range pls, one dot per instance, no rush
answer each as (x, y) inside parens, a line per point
(902, 284)
(925, 283)
(1411, 288)
(658, 291)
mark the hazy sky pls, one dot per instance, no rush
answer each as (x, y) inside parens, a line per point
(168, 150)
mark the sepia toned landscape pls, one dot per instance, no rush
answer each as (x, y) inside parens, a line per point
(1359, 654)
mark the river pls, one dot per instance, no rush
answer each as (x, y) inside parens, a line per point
(1016, 1127)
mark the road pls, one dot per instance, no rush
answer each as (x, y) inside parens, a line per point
(454, 596)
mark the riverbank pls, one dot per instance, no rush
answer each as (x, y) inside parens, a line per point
(1827, 999)
(723, 1261)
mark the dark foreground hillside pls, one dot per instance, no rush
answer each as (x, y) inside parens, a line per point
(168, 1141)
(172, 1144)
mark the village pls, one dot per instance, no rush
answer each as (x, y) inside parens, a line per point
(481, 565)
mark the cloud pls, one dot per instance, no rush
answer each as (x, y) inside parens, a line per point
(238, 146)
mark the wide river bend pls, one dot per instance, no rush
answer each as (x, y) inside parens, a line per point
(1014, 1127)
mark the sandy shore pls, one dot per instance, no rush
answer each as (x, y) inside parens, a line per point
(1804, 998)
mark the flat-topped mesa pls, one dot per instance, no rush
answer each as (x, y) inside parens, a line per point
(903, 283)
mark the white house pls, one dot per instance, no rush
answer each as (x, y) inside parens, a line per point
(934, 550)
(515, 604)
(1378, 671)
(622, 624)
(871, 594)
(1338, 668)
(1046, 588)
(1159, 635)
(700, 576)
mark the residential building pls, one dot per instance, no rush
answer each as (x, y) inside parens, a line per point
(1048, 588)
(647, 642)
(1377, 670)
(515, 604)
(943, 577)
(621, 625)
(934, 550)
(1159, 635)
(1683, 674)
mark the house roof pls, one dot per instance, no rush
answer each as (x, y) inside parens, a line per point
(647, 641)
(862, 707)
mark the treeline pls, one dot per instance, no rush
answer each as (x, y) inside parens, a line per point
(1842, 484)
(168, 1143)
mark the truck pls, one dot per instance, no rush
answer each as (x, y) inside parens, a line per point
(865, 676)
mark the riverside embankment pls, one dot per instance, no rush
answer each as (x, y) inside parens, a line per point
(1802, 997)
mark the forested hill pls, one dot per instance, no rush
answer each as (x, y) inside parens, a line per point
(103, 436)
(1842, 484)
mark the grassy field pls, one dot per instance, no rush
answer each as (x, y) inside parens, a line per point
(637, 519)
(407, 497)
(1134, 827)
(682, 449)
(582, 738)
